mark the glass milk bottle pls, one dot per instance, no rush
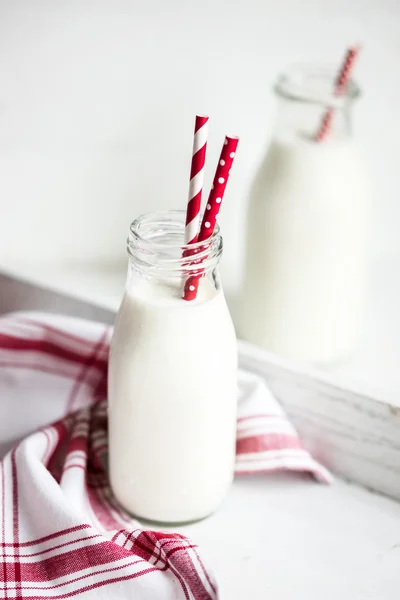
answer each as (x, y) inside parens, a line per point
(172, 379)
(305, 278)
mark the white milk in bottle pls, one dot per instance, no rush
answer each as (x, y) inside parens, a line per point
(304, 287)
(172, 380)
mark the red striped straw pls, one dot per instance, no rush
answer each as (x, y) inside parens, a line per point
(213, 206)
(341, 82)
(196, 179)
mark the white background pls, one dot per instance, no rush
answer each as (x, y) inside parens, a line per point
(97, 99)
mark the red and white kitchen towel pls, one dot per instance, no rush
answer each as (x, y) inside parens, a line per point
(62, 532)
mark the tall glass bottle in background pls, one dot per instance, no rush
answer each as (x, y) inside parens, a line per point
(305, 279)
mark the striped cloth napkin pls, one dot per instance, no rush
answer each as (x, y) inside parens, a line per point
(62, 532)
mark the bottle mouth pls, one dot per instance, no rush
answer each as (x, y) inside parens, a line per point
(156, 243)
(315, 84)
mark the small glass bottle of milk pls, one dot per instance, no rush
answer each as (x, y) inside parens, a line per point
(172, 378)
(305, 278)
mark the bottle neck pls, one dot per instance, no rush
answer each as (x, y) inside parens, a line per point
(305, 120)
(156, 249)
(307, 96)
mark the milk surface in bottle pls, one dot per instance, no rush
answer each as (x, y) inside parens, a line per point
(172, 380)
(304, 288)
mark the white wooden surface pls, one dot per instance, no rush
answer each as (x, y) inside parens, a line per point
(281, 536)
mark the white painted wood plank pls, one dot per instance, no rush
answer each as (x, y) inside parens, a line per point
(356, 436)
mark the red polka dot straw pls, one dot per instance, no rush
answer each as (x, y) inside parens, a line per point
(341, 83)
(213, 206)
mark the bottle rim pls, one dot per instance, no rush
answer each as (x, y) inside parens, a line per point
(314, 84)
(155, 243)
